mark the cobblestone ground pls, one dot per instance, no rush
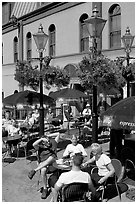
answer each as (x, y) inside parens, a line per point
(17, 187)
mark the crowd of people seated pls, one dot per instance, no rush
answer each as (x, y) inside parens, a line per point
(47, 149)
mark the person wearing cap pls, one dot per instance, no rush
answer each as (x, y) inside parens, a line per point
(47, 153)
(87, 112)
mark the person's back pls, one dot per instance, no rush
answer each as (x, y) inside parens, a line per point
(75, 175)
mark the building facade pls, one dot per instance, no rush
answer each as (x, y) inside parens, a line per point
(68, 39)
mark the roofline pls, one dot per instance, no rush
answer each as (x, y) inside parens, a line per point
(40, 13)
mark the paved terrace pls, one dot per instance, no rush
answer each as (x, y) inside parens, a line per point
(17, 187)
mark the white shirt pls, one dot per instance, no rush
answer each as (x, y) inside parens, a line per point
(71, 150)
(102, 163)
(73, 176)
(86, 111)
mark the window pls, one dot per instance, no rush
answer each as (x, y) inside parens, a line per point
(84, 36)
(52, 40)
(115, 26)
(15, 49)
(29, 46)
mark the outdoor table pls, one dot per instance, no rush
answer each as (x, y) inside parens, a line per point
(12, 140)
(62, 165)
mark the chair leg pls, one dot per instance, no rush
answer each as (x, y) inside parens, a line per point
(118, 191)
(102, 196)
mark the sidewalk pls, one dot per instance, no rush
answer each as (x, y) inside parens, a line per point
(17, 187)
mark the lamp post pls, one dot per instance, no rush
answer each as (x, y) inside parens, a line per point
(40, 39)
(95, 25)
(127, 40)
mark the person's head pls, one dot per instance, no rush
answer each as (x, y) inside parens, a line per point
(50, 111)
(47, 142)
(77, 159)
(7, 114)
(87, 106)
(96, 149)
(74, 140)
(30, 114)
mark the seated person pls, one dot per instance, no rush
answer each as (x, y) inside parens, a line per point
(48, 118)
(29, 119)
(36, 115)
(75, 175)
(103, 162)
(9, 126)
(47, 154)
(87, 112)
(49, 115)
(87, 129)
(13, 129)
(7, 120)
(74, 148)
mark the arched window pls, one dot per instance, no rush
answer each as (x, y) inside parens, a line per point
(115, 26)
(84, 36)
(52, 40)
(15, 49)
(29, 45)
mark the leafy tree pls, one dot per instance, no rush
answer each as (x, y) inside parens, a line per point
(28, 75)
(103, 72)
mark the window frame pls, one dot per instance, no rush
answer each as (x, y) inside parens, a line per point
(28, 46)
(52, 40)
(115, 26)
(84, 36)
(15, 48)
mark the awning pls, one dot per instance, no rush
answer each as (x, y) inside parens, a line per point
(23, 8)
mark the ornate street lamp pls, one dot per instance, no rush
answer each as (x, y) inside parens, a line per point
(40, 39)
(127, 40)
(95, 25)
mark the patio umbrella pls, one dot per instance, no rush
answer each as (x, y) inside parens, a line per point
(68, 93)
(26, 98)
(121, 115)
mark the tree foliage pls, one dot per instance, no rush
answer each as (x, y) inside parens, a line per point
(103, 72)
(28, 75)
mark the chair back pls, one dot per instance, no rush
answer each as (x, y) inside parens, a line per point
(118, 167)
(74, 192)
(94, 170)
(29, 145)
(130, 169)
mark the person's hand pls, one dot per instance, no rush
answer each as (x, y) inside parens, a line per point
(102, 180)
